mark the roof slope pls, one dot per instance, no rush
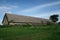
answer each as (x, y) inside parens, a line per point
(20, 18)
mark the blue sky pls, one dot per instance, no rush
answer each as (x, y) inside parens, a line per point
(35, 8)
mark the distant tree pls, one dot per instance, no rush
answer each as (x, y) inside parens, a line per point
(58, 22)
(54, 18)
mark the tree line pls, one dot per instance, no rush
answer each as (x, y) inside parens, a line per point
(54, 18)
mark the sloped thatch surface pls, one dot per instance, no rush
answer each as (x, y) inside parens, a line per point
(20, 18)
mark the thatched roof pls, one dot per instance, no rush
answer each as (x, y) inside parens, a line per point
(20, 18)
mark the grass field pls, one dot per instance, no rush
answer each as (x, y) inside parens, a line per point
(48, 32)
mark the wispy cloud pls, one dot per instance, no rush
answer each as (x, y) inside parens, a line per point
(4, 8)
(8, 8)
(47, 15)
(40, 6)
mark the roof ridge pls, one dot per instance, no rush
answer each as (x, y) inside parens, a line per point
(25, 16)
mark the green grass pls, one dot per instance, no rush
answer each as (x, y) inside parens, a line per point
(48, 32)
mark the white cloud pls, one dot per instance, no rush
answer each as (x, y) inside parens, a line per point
(8, 8)
(4, 7)
(47, 15)
(40, 6)
(0, 22)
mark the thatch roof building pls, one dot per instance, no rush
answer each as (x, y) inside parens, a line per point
(12, 19)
